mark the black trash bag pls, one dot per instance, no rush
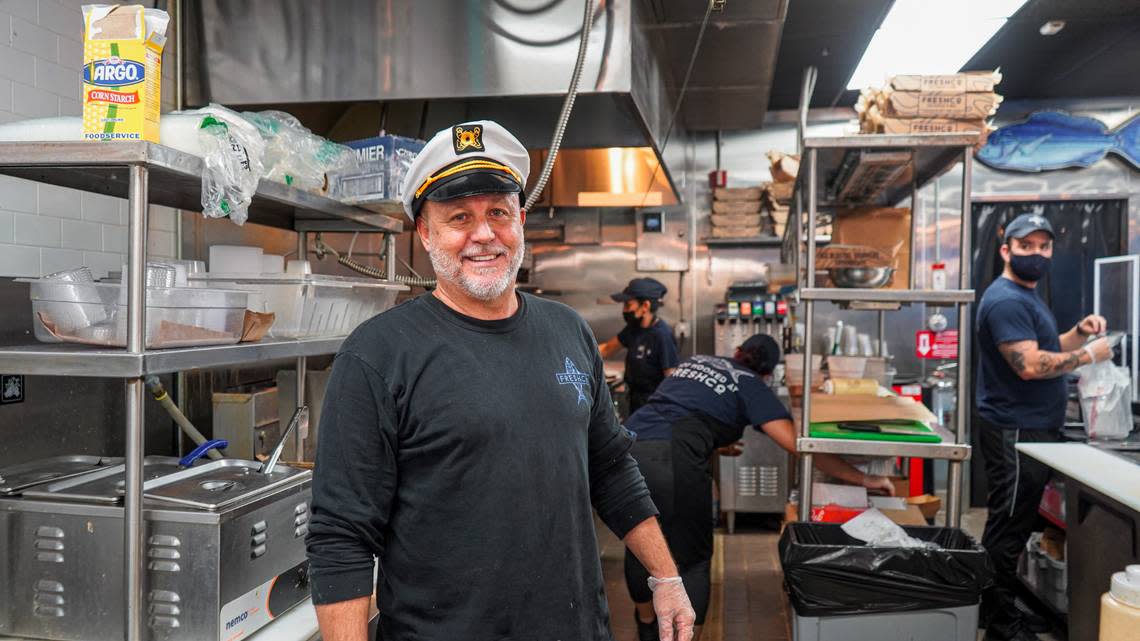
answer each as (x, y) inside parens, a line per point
(827, 572)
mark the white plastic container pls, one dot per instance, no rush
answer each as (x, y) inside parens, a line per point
(311, 305)
(794, 369)
(847, 366)
(96, 314)
(235, 259)
(1120, 606)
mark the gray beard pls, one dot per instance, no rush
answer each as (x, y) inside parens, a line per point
(450, 269)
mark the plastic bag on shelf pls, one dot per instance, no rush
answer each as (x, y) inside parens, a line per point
(1106, 392)
(232, 151)
(296, 156)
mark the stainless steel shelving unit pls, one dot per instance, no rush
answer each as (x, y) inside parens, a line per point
(77, 360)
(750, 241)
(930, 156)
(146, 173)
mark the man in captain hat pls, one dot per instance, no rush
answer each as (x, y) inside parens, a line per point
(468, 434)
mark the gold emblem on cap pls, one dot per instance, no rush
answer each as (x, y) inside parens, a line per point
(468, 139)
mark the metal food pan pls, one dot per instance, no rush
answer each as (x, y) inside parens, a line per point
(219, 484)
(15, 478)
(103, 486)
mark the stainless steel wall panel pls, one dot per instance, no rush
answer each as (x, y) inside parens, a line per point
(279, 51)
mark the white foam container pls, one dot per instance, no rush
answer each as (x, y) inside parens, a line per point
(95, 313)
(310, 305)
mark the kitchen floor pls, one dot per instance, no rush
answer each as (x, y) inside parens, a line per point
(748, 601)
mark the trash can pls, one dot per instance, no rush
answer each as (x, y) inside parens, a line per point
(843, 589)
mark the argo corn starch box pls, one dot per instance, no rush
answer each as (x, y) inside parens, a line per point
(122, 71)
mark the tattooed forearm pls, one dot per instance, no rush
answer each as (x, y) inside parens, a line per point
(1031, 363)
(1052, 365)
(1016, 360)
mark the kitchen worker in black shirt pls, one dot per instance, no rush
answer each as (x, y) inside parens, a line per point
(703, 407)
(1021, 397)
(467, 436)
(651, 352)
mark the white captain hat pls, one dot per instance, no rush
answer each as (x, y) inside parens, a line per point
(478, 157)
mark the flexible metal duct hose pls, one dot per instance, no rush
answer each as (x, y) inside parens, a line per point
(567, 105)
(159, 392)
(368, 270)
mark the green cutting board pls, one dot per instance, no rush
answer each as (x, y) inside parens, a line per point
(922, 433)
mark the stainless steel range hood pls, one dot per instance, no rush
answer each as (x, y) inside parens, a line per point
(351, 67)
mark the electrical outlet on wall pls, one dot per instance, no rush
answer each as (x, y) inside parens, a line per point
(11, 388)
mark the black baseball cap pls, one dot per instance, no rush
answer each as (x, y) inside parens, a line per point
(764, 350)
(1026, 224)
(765, 345)
(641, 288)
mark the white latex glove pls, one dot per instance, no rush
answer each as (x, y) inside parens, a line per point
(675, 615)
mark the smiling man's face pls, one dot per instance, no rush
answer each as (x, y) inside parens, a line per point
(475, 243)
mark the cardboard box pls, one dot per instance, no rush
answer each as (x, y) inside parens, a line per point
(736, 206)
(384, 162)
(910, 516)
(736, 232)
(784, 167)
(901, 485)
(886, 229)
(736, 193)
(851, 256)
(736, 220)
(780, 193)
(972, 81)
(972, 106)
(833, 409)
(122, 72)
(932, 126)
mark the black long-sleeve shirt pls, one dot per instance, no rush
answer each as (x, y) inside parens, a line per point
(466, 455)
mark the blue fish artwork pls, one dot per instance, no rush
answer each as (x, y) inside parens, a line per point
(1056, 140)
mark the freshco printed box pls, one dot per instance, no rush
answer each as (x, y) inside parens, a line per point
(122, 71)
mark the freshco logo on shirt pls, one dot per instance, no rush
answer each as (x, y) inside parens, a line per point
(574, 377)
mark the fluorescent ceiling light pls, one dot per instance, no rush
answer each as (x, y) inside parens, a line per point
(930, 37)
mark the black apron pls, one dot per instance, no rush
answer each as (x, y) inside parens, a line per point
(642, 375)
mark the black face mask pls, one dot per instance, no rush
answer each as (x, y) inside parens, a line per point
(1029, 268)
(631, 319)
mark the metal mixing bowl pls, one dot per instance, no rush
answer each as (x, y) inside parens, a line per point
(860, 277)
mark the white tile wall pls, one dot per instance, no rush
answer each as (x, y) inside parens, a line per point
(78, 234)
(115, 239)
(56, 260)
(23, 8)
(45, 229)
(7, 226)
(41, 231)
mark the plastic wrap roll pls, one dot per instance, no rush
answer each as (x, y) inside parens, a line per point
(851, 386)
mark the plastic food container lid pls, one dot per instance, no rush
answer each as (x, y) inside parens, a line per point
(1126, 586)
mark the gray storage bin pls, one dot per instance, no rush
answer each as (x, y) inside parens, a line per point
(1048, 577)
(947, 624)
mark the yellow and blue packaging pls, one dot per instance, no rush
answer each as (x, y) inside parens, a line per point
(122, 71)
